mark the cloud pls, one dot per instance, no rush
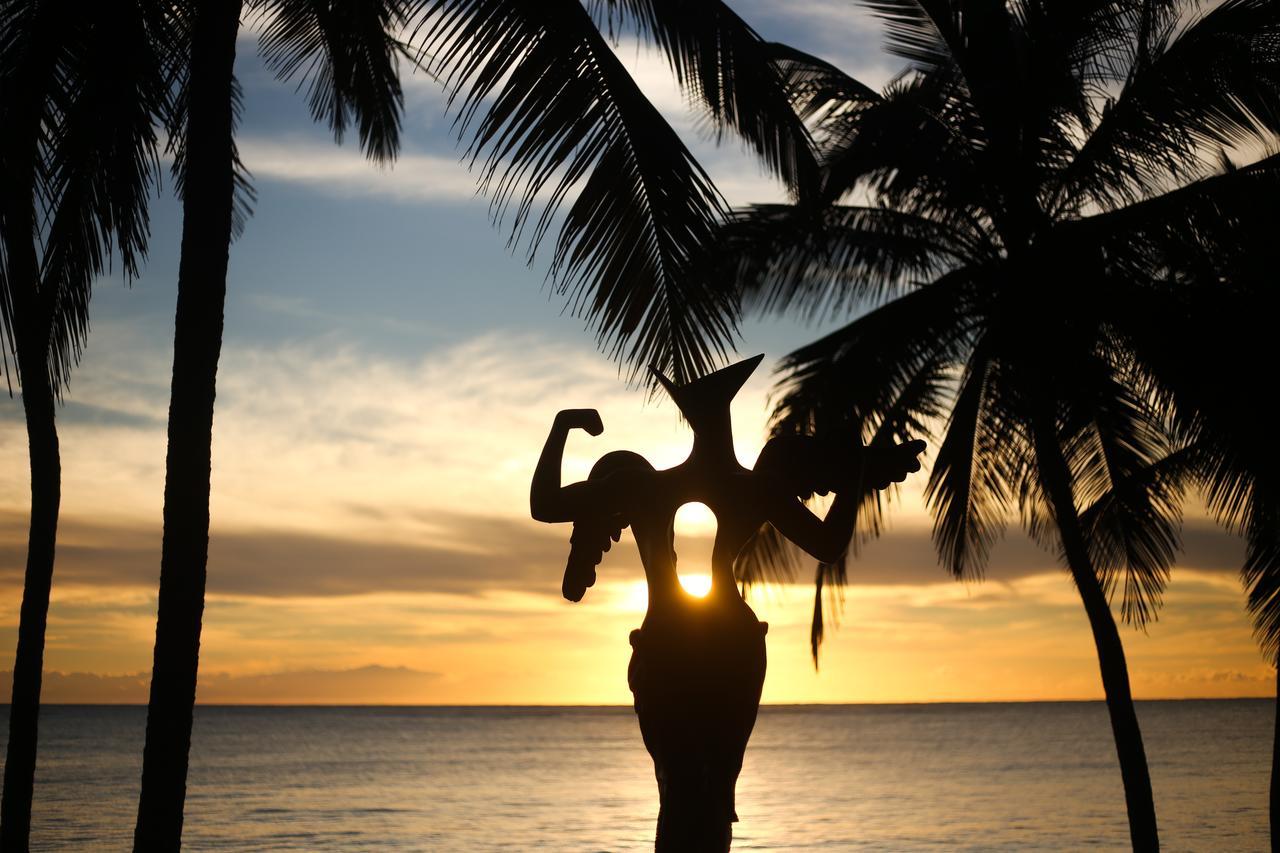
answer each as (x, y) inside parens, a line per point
(73, 412)
(464, 554)
(843, 33)
(472, 554)
(413, 177)
(438, 172)
(366, 685)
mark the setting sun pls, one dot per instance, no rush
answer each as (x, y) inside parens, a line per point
(696, 585)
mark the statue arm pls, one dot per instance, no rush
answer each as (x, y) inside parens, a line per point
(548, 500)
(824, 539)
(827, 538)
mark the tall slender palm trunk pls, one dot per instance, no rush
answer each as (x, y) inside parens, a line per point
(1056, 479)
(1275, 773)
(46, 496)
(202, 283)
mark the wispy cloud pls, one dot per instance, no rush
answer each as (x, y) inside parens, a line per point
(372, 684)
(343, 170)
(441, 551)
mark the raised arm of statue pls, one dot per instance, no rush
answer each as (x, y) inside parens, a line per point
(824, 539)
(548, 500)
(796, 466)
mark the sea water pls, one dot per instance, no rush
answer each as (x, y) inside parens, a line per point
(853, 777)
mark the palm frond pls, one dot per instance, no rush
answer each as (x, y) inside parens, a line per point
(101, 164)
(859, 378)
(1214, 83)
(920, 31)
(1104, 40)
(32, 54)
(918, 148)
(550, 109)
(92, 87)
(970, 486)
(1261, 572)
(1190, 224)
(815, 86)
(767, 558)
(345, 52)
(727, 68)
(832, 578)
(831, 259)
(1135, 483)
(982, 45)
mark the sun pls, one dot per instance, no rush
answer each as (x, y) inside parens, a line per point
(696, 585)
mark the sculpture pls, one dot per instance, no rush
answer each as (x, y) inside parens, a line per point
(698, 664)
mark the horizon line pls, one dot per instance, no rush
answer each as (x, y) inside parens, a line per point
(562, 706)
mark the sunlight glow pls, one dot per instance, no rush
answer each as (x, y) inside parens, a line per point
(696, 585)
(694, 519)
(636, 598)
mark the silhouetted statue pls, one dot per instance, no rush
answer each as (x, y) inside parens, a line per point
(698, 664)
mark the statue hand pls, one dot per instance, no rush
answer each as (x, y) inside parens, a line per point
(583, 419)
(885, 465)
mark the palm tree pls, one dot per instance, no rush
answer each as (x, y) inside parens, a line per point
(80, 89)
(1227, 309)
(1008, 209)
(344, 50)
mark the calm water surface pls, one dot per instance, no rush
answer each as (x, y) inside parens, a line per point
(880, 777)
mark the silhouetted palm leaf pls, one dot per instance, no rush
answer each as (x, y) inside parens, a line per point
(101, 165)
(345, 53)
(551, 110)
(1133, 530)
(1213, 83)
(1134, 533)
(767, 558)
(726, 67)
(832, 259)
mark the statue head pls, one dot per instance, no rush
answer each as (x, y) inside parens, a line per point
(704, 402)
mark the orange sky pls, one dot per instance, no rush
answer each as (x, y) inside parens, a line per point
(382, 554)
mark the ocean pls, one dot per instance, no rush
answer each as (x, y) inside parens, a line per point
(1022, 776)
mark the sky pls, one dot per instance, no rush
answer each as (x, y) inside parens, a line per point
(389, 372)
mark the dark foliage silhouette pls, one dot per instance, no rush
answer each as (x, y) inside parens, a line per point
(81, 86)
(1008, 214)
(549, 111)
(1208, 348)
(698, 665)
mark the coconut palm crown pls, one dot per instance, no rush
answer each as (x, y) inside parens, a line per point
(1012, 216)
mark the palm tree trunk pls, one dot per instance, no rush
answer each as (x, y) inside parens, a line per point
(1056, 479)
(46, 494)
(1275, 774)
(202, 283)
